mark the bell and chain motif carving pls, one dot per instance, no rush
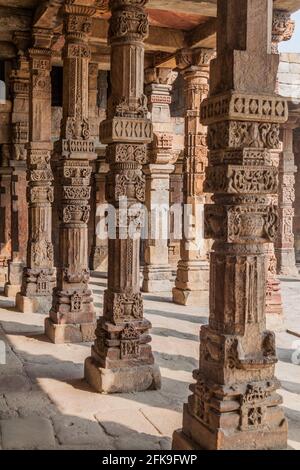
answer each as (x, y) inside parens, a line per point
(39, 275)
(121, 358)
(73, 310)
(234, 404)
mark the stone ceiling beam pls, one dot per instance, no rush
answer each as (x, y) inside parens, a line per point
(196, 7)
(204, 35)
(160, 39)
(46, 15)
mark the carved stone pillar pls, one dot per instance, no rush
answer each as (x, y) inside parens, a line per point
(234, 404)
(297, 195)
(5, 212)
(285, 242)
(176, 201)
(19, 84)
(191, 285)
(99, 261)
(122, 359)
(72, 317)
(274, 306)
(39, 276)
(99, 252)
(157, 270)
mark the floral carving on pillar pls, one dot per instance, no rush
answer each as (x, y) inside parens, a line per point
(234, 404)
(191, 285)
(72, 317)
(121, 361)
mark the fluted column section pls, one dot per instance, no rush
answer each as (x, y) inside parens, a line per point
(234, 404)
(72, 317)
(191, 285)
(39, 276)
(122, 359)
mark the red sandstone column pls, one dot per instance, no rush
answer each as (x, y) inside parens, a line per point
(297, 195)
(234, 404)
(191, 285)
(19, 82)
(5, 211)
(157, 270)
(98, 106)
(285, 242)
(122, 359)
(72, 317)
(39, 275)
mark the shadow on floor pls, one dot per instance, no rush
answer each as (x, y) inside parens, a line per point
(178, 316)
(167, 332)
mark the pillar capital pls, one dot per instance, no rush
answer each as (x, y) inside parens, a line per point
(160, 76)
(283, 28)
(194, 59)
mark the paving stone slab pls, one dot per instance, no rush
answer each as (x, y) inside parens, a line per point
(118, 422)
(33, 433)
(34, 403)
(12, 383)
(71, 430)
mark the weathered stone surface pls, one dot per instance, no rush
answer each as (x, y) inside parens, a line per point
(27, 433)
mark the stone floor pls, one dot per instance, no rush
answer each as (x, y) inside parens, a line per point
(45, 403)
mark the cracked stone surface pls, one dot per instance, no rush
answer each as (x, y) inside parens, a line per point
(45, 403)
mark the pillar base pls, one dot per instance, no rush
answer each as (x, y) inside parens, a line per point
(190, 276)
(190, 298)
(33, 305)
(272, 437)
(122, 380)
(157, 279)
(11, 290)
(67, 333)
(181, 442)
